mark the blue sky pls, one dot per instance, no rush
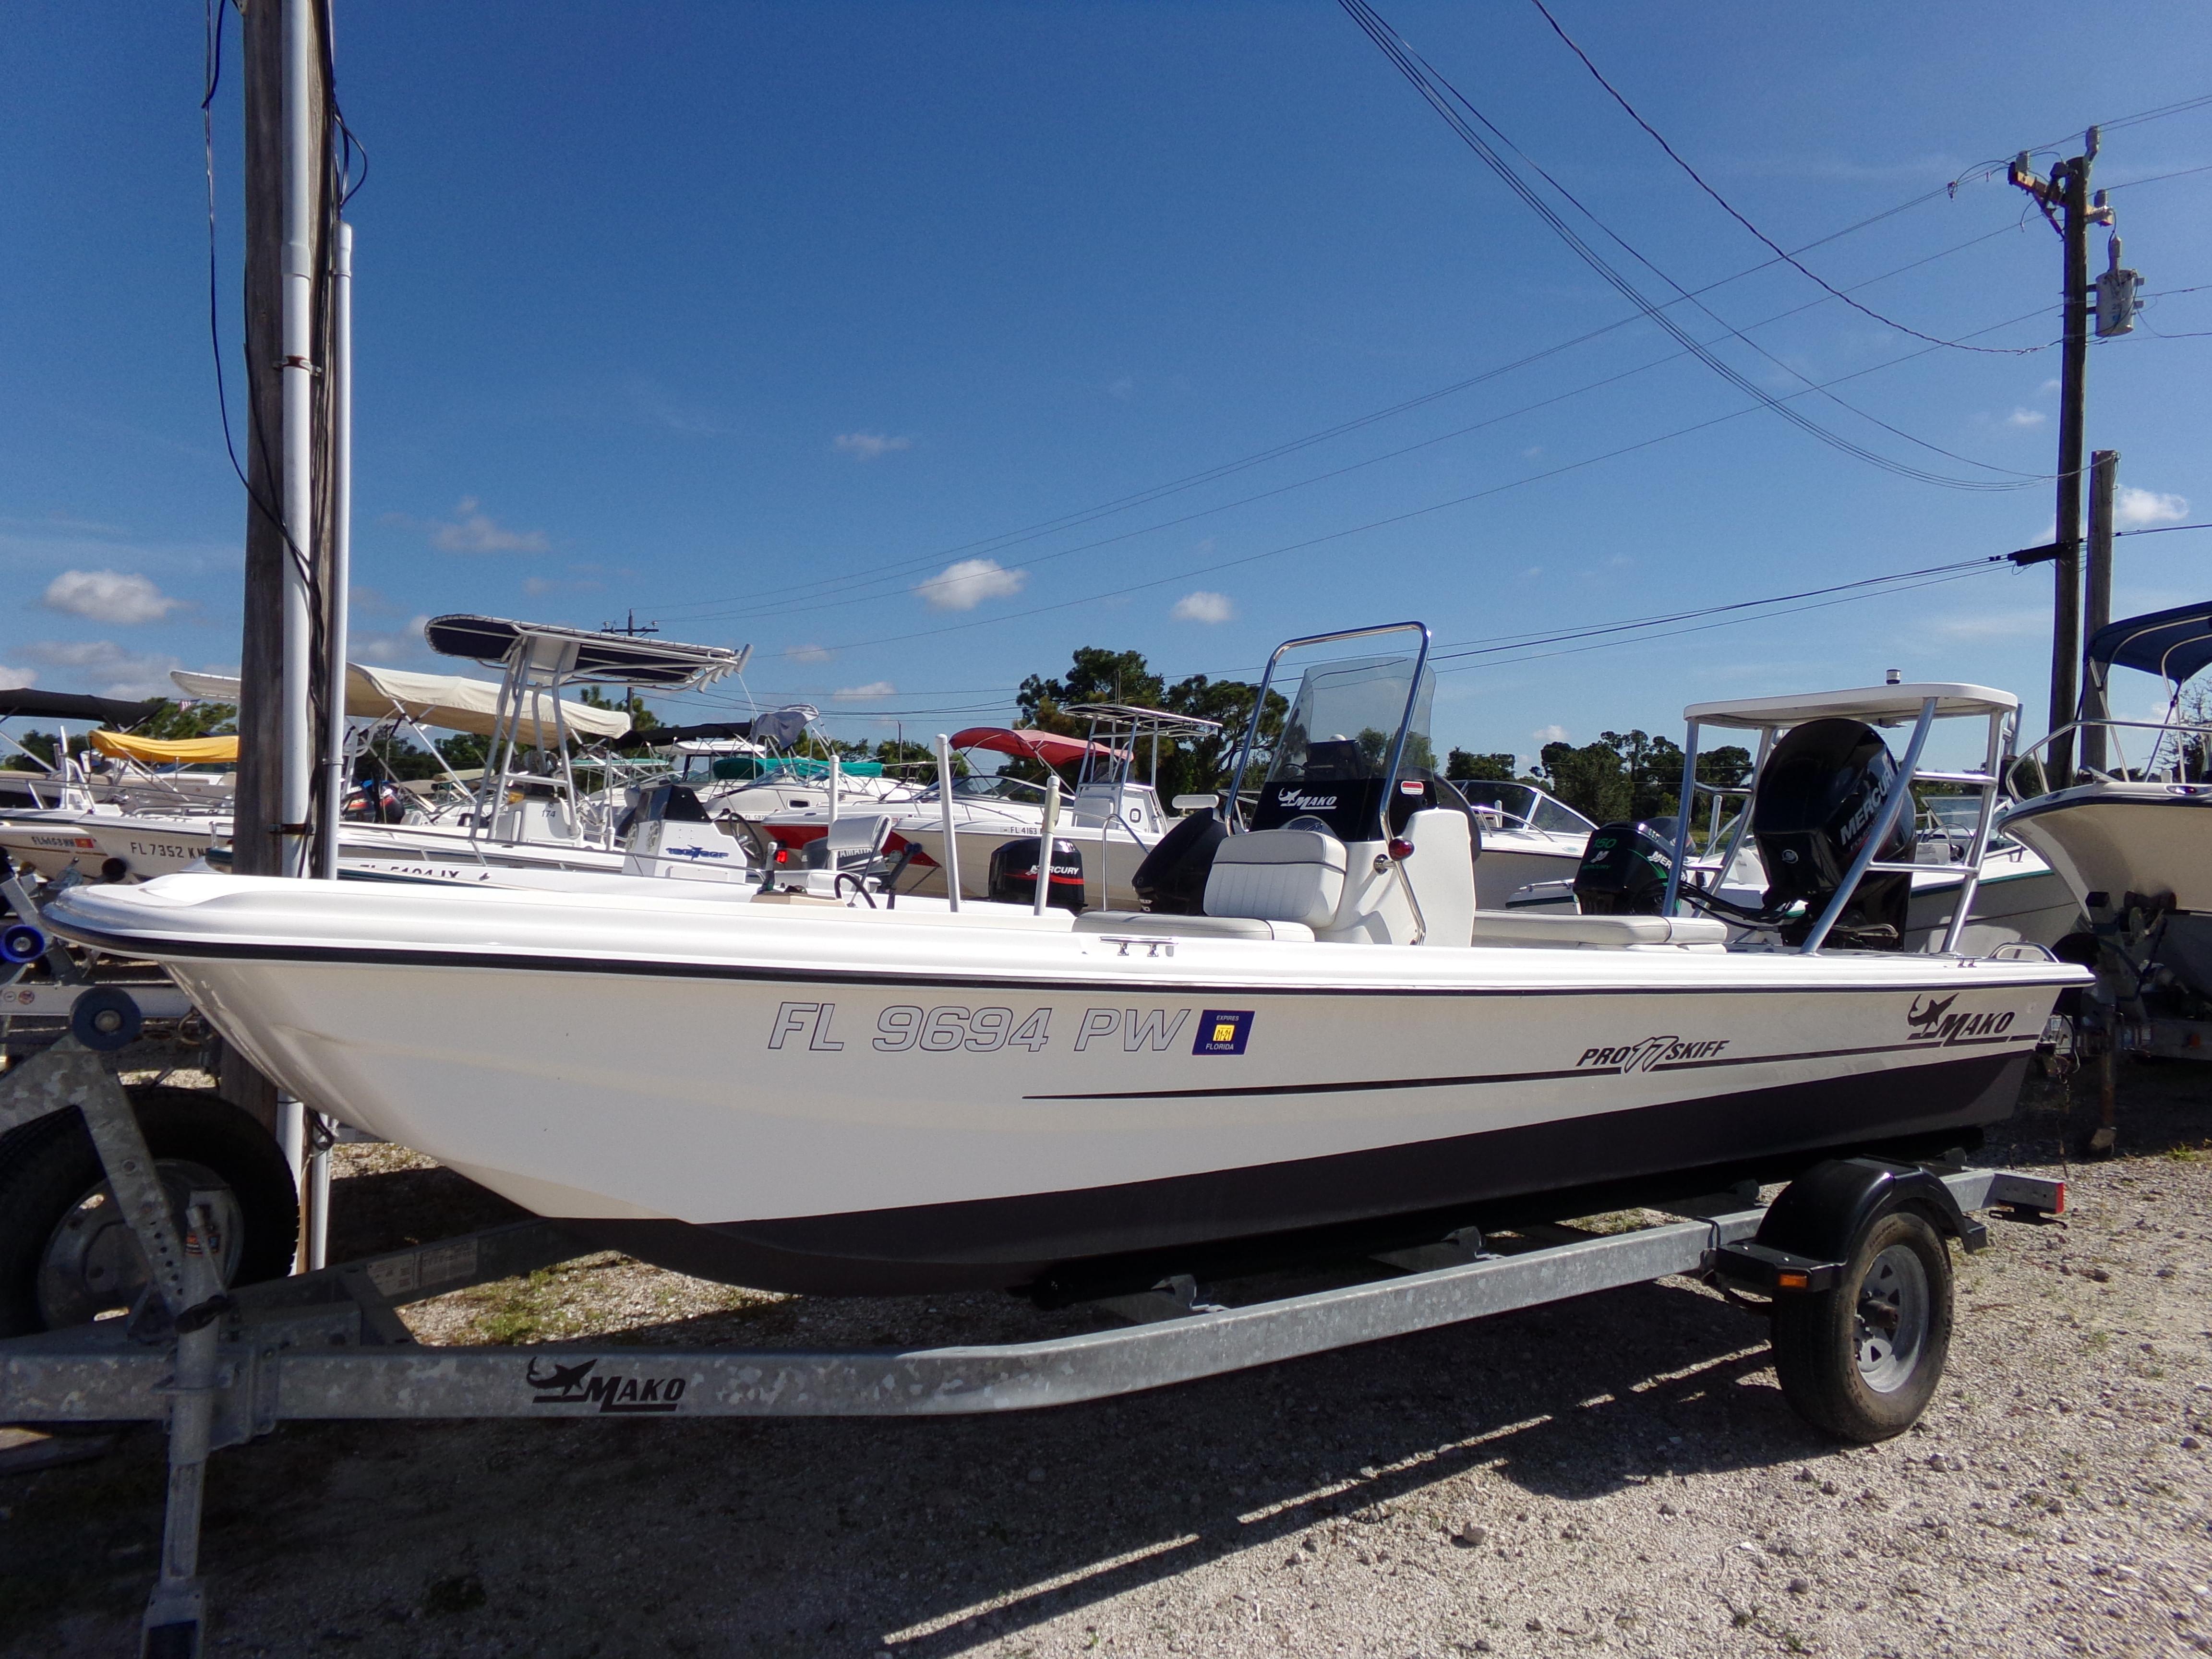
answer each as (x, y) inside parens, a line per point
(764, 319)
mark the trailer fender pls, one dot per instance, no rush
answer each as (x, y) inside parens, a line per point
(1810, 1231)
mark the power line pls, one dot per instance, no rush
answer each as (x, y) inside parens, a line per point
(1000, 541)
(824, 604)
(1730, 208)
(1441, 95)
(1383, 523)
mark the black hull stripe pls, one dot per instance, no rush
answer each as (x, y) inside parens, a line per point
(1379, 1083)
(1189, 1223)
(125, 945)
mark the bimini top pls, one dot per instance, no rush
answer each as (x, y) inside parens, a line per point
(1877, 705)
(2172, 644)
(446, 701)
(171, 751)
(582, 656)
(68, 706)
(1026, 743)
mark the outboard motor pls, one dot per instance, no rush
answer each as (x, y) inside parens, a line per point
(1815, 802)
(1171, 881)
(1624, 868)
(1014, 874)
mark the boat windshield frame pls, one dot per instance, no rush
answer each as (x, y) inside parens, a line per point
(1538, 799)
(1233, 803)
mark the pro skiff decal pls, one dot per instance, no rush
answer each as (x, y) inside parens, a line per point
(1652, 1052)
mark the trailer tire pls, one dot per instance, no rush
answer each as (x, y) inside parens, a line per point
(57, 1268)
(1863, 1360)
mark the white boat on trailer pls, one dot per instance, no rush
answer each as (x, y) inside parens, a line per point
(833, 1097)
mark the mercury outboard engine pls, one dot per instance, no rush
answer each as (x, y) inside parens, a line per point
(1014, 874)
(1171, 881)
(1625, 868)
(1816, 801)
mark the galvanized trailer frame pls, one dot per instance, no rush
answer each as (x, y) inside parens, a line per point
(221, 1369)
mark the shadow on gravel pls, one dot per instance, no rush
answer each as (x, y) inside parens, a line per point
(927, 1536)
(930, 1537)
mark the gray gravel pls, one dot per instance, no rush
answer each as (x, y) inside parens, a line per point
(1618, 1472)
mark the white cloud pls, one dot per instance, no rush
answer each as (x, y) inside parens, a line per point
(967, 583)
(867, 693)
(477, 531)
(2133, 508)
(869, 446)
(1204, 607)
(2025, 417)
(2049, 386)
(16, 678)
(397, 647)
(1545, 734)
(109, 596)
(105, 669)
(807, 653)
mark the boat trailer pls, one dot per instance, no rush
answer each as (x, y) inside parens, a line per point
(219, 1368)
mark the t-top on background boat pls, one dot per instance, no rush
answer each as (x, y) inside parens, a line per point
(2132, 837)
(1333, 1042)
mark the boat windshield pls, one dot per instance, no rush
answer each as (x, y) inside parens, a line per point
(996, 785)
(1524, 806)
(1346, 714)
(1952, 818)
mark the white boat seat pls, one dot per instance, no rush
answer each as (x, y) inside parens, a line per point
(1144, 924)
(1278, 875)
(1549, 930)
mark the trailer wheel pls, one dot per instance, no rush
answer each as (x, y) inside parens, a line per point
(66, 1256)
(1861, 1361)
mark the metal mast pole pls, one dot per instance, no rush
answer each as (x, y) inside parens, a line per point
(341, 570)
(303, 106)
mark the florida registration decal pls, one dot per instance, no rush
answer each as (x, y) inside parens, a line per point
(1222, 1031)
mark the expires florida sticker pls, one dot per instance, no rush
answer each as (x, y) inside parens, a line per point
(1222, 1031)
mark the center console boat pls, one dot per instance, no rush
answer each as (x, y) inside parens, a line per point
(1315, 1034)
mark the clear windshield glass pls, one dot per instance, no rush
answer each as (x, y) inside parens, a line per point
(1345, 716)
(1523, 806)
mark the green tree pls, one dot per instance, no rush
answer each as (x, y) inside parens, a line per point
(641, 719)
(172, 721)
(1462, 766)
(1590, 779)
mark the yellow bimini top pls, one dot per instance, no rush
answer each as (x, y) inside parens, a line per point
(177, 751)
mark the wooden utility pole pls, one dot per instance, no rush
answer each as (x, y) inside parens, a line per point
(2104, 483)
(2065, 201)
(259, 845)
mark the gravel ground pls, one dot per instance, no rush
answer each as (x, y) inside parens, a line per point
(1618, 1472)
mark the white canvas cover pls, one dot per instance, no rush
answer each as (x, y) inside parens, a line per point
(446, 701)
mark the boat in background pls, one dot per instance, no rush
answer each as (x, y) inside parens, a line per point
(2131, 836)
(1528, 838)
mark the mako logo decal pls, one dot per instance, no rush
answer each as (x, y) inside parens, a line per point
(574, 1385)
(1296, 800)
(1932, 1021)
(1222, 1031)
(1651, 1053)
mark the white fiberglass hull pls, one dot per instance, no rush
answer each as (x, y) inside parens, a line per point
(838, 1099)
(148, 845)
(2153, 839)
(1514, 859)
(2019, 899)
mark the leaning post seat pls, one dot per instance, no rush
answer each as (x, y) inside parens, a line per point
(1278, 875)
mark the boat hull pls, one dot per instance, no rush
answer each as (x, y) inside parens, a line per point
(834, 1101)
(2122, 838)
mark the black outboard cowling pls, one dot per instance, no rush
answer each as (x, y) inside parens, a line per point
(1816, 801)
(1171, 881)
(1014, 874)
(1624, 868)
